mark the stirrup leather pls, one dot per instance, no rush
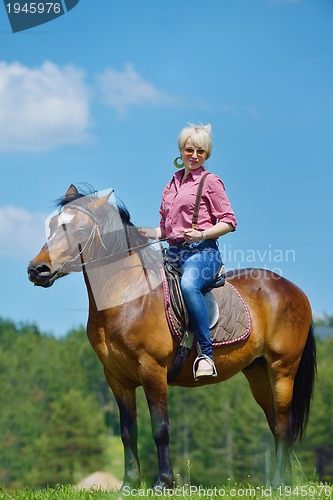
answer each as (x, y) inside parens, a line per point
(210, 361)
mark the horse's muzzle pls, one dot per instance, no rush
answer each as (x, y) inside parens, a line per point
(40, 274)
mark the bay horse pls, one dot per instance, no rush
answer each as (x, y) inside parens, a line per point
(131, 336)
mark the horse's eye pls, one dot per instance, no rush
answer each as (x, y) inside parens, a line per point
(80, 233)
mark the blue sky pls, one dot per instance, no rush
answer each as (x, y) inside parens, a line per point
(99, 96)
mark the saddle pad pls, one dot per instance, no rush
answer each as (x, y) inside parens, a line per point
(234, 321)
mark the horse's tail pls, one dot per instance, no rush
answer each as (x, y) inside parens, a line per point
(303, 387)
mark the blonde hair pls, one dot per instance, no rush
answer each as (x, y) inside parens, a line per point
(200, 135)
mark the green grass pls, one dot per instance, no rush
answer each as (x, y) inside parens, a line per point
(229, 492)
(60, 493)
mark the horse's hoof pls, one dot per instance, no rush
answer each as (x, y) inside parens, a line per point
(166, 483)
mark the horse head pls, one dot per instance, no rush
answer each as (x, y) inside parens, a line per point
(74, 235)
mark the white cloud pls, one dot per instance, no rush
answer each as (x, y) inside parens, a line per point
(122, 89)
(45, 107)
(21, 233)
(42, 108)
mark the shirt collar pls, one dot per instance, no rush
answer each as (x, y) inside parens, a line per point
(194, 173)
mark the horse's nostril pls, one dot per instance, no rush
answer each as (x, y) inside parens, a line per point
(43, 270)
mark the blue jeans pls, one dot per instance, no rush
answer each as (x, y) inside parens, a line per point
(199, 264)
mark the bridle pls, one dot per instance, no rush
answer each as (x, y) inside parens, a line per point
(95, 232)
(72, 263)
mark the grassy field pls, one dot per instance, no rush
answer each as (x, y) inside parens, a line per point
(236, 491)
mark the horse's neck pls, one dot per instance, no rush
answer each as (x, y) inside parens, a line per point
(119, 282)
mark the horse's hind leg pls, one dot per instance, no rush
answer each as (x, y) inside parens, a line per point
(284, 440)
(275, 400)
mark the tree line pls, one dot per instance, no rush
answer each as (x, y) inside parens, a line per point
(57, 413)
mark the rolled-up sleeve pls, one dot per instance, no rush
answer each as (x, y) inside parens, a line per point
(220, 206)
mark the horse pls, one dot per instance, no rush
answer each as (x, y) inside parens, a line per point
(128, 330)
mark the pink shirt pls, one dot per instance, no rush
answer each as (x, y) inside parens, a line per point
(178, 202)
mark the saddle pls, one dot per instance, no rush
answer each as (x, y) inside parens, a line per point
(229, 317)
(180, 319)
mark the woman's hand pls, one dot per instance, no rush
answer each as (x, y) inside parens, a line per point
(192, 235)
(150, 232)
(214, 232)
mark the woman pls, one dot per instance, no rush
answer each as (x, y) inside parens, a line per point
(193, 244)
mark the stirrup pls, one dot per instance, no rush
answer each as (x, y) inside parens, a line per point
(196, 362)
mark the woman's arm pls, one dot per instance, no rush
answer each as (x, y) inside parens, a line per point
(214, 232)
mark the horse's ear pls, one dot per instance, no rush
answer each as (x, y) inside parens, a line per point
(95, 205)
(71, 192)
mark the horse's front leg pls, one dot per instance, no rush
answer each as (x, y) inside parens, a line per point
(126, 400)
(156, 391)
